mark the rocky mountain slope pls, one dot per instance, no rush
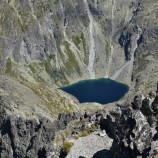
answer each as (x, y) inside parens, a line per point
(128, 131)
(47, 44)
(65, 41)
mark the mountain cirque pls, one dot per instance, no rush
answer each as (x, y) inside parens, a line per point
(47, 44)
(64, 41)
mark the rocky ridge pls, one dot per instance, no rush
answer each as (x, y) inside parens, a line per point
(131, 128)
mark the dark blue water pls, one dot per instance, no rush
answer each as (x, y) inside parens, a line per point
(102, 90)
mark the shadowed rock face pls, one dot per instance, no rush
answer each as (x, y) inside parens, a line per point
(132, 135)
(103, 154)
(133, 128)
(29, 138)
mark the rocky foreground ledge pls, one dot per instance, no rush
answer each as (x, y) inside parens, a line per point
(128, 131)
(134, 128)
(21, 138)
(131, 131)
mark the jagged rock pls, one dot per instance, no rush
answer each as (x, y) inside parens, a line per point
(29, 138)
(154, 149)
(134, 128)
(125, 42)
(131, 133)
(137, 103)
(155, 105)
(146, 108)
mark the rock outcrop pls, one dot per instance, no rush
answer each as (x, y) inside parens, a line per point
(133, 128)
(24, 138)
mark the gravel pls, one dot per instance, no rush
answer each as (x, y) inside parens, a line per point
(90, 146)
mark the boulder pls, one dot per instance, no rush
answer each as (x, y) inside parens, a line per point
(131, 133)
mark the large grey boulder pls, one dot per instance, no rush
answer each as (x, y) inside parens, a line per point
(131, 133)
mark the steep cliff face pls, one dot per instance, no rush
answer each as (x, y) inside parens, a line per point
(65, 41)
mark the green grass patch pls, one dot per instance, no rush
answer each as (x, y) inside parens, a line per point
(85, 133)
(83, 41)
(84, 48)
(77, 41)
(32, 69)
(48, 68)
(107, 50)
(56, 1)
(71, 64)
(67, 146)
(52, 57)
(8, 66)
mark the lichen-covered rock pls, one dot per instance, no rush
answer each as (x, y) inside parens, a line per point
(29, 138)
(131, 133)
(134, 128)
